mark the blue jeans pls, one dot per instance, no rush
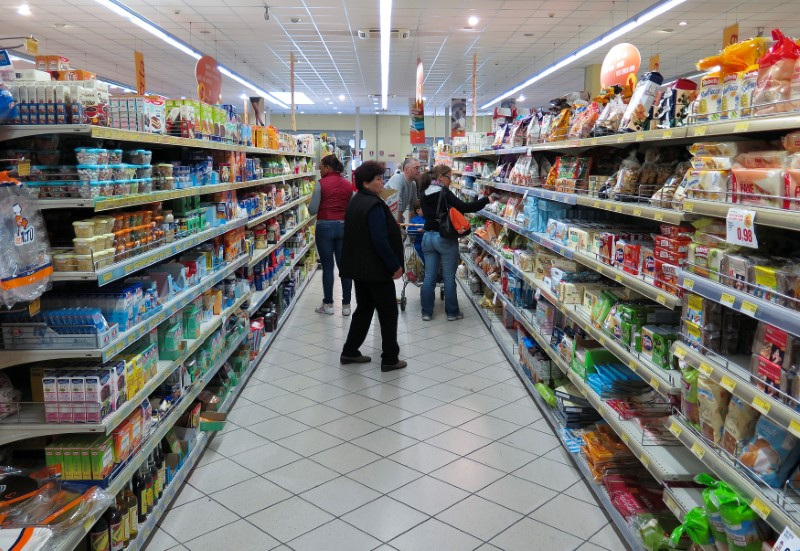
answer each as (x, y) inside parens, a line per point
(329, 237)
(443, 252)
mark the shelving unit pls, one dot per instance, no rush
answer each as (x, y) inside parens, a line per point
(259, 297)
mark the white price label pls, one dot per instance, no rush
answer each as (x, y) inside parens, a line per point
(741, 228)
(787, 541)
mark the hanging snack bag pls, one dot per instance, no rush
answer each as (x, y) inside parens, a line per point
(775, 70)
(712, 400)
(771, 453)
(26, 263)
(740, 424)
(638, 111)
(709, 101)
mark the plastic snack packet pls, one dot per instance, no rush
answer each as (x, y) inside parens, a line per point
(696, 526)
(715, 523)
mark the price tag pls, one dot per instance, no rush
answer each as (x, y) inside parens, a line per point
(698, 450)
(626, 438)
(761, 405)
(699, 130)
(34, 307)
(675, 429)
(761, 508)
(637, 212)
(596, 204)
(742, 126)
(645, 460)
(654, 383)
(680, 352)
(593, 141)
(688, 206)
(749, 308)
(727, 299)
(618, 208)
(688, 284)
(24, 168)
(794, 428)
(661, 298)
(659, 217)
(740, 226)
(727, 383)
(705, 369)
(618, 278)
(632, 364)
(666, 134)
(671, 505)
(640, 136)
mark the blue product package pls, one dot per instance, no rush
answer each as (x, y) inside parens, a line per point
(771, 453)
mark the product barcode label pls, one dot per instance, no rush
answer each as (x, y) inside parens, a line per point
(727, 299)
(675, 429)
(761, 508)
(727, 383)
(760, 404)
(698, 450)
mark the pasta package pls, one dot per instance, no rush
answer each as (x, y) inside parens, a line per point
(731, 96)
(709, 101)
(761, 187)
(771, 453)
(740, 424)
(712, 402)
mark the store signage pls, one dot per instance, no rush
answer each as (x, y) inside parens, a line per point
(458, 117)
(141, 86)
(655, 63)
(740, 225)
(416, 112)
(31, 45)
(787, 541)
(209, 80)
(620, 65)
(730, 35)
(420, 81)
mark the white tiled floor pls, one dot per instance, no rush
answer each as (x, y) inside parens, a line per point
(448, 454)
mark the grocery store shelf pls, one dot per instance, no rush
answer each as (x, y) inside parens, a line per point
(122, 269)
(665, 382)
(256, 220)
(747, 304)
(774, 506)
(503, 339)
(680, 500)
(736, 379)
(259, 297)
(261, 254)
(16, 357)
(765, 216)
(13, 429)
(11, 132)
(772, 123)
(636, 283)
(100, 204)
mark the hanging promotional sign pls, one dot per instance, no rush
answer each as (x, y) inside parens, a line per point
(209, 80)
(620, 66)
(141, 87)
(420, 80)
(458, 117)
(416, 111)
(730, 35)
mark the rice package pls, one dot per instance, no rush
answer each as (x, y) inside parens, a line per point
(771, 453)
(740, 424)
(25, 263)
(712, 402)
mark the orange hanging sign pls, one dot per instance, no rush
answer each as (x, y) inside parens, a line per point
(209, 80)
(620, 64)
(730, 35)
(138, 58)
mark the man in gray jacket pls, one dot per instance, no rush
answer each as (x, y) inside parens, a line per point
(405, 183)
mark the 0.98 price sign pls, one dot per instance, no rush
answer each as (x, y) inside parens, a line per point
(741, 228)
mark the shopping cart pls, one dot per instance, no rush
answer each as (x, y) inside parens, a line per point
(414, 265)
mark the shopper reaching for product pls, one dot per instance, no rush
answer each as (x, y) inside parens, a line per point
(329, 202)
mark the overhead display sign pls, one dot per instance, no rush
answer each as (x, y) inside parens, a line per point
(416, 112)
(420, 80)
(622, 62)
(730, 35)
(141, 84)
(458, 117)
(209, 80)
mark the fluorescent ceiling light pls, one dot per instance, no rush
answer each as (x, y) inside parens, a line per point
(24, 9)
(386, 27)
(125, 12)
(342, 97)
(473, 20)
(682, 24)
(598, 42)
(521, 98)
(242, 96)
(300, 98)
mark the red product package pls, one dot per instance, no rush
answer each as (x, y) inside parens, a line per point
(648, 260)
(633, 258)
(606, 249)
(680, 245)
(669, 257)
(765, 375)
(666, 276)
(676, 232)
(791, 189)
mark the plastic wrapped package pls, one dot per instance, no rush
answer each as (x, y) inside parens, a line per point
(709, 99)
(712, 402)
(775, 70)
(731, 95)
(695, 525)
(689, 405)
(610, 117)
(749, 83)
(673, 107)
(760, 187)
(637, 113)
(739, 519)
(709, 185)
(10, 397)
(584, 120)
(763, 159)
(740, 424)
(776, 345)
(715, 523)
(791, 189)
(701, 311)
(628, 176)
(724, 149)
(771, 453)
(26, 263)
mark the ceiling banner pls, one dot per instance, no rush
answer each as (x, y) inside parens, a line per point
(730, 35)
(141, 85)
(621, 63)
(420, 80)
(209, 80)
(416, 111)
(458, 117)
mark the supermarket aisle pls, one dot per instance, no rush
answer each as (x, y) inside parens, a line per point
(450, 453)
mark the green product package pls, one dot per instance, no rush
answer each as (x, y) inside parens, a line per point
(689, 405)
(739, 519)
(713, 515)
(547, 393)
(602, 307)
(696, 526)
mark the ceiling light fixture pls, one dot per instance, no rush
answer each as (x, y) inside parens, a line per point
(24, 9)
(300, 98)
(341, 97)
(682, 24)
(339, 112)
(521, 97)
(125, 12)
(242, 96)
(473, 20)
(386, 29)
(618, 31)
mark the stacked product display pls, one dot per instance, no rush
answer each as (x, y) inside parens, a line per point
(632, 270)
(174, 264)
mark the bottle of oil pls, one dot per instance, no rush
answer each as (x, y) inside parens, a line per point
(126, 521)
(151, 466)
(99, 537)
(162, 470)
(148, 488)
(140, 493)
(114, 520)
(133, 512)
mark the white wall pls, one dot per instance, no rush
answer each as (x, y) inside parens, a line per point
(387, 133)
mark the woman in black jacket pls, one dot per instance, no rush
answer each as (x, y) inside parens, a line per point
(372, 256)
(440, 250)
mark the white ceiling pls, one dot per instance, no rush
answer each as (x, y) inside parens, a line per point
(334, 62)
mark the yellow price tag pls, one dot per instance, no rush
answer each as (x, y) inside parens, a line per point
(618, 278)
(34, 307)
(680, 352)
(671, 505)
(742, 126)
(596, 204)
(661, 298)
(640, 136)
(620, 139)
(675, 429)
(645, 460)
(632, 364)
(794, 428)
(749, 308)
(619, 208)
(688, 206)
(637, 212)
(24, 168)
(659, 217)
(762, 509)
(727, 383)
(688, 284)
(698, 450)
(654, 383)
(593, 141)
(761, 405)
(705, 369)
(626, 438)
(666, 134)
(727, 299)
(699, 130)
